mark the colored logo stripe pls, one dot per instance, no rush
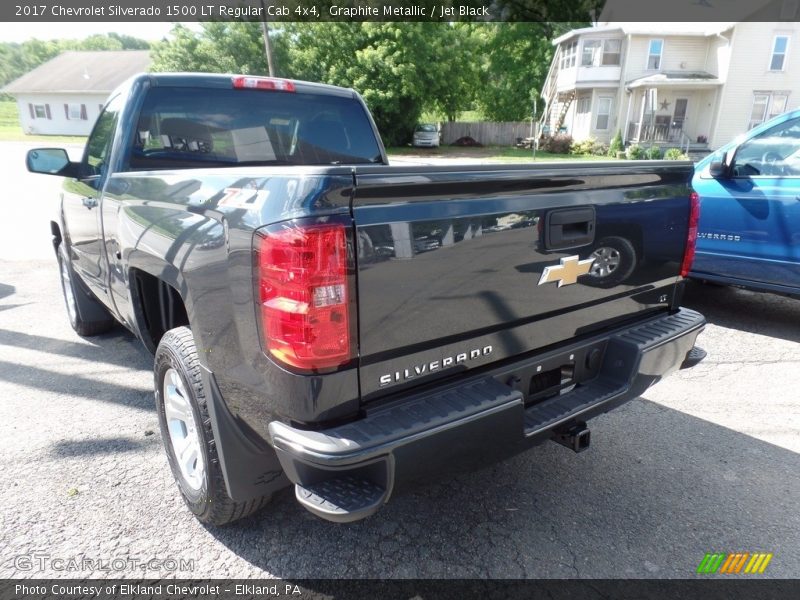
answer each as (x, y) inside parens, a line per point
(710, 563)
(733, 563)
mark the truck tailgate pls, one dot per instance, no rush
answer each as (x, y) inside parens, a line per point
(452, 260)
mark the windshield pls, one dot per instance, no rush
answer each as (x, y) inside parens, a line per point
(426, 128)
(198, 127)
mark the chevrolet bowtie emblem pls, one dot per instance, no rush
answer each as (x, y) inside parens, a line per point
(567, 272)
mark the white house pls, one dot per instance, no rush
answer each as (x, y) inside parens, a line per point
(64, 95)
(695, 85)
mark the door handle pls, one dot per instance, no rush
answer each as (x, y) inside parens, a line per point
(89, 203)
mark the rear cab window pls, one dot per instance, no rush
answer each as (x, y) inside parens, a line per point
(188, 127)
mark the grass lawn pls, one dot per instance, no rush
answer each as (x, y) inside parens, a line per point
(498, 153)
(10, 130)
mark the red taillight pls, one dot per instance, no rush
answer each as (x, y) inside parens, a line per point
(304, 294)
(691, 237)
(243, 82)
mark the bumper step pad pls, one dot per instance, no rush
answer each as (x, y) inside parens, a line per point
(343, 499)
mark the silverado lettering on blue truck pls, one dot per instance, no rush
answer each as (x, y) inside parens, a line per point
(324, 320)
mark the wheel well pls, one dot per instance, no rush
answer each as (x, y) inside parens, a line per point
(158, 307)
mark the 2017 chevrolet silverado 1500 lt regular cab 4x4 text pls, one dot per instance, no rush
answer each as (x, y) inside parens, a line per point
(324, 320)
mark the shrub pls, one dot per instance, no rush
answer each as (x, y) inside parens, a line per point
(653, 153)
(558, 144)
(616, 144)
(675, 154)
(589, 146)
(634, 152)
(582, 147)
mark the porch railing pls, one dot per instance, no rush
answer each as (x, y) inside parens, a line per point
(655, 133)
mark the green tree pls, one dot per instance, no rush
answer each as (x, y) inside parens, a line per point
(401, 69)
(457, 76)
(517, 59)
(220, 47)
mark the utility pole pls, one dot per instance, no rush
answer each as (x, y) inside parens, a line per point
(267, 47)
(535, 134)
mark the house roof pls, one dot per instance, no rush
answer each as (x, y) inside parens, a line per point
(661, 29)
(675, 79)
(75, 72)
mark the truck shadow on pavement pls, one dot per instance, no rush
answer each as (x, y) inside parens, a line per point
(654, 479)
(118, 348)
(6, 290)
(754, 312)
(96, 446)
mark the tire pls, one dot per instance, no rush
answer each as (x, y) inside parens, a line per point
(86, 314)
(615, 261)
(186, 430)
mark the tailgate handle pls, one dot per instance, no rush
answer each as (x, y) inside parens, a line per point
(569, 228)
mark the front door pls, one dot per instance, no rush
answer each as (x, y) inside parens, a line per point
(81, 204)
(678, 119)
(750, 222)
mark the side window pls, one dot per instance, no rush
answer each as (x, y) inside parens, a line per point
(99, 145)
(774, 153)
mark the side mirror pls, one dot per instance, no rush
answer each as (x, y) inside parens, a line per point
(720, 169)
(50, 161)
(717, 169)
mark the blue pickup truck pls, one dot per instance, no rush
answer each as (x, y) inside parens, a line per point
(749, 230)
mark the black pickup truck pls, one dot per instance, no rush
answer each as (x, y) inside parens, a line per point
(324, 320)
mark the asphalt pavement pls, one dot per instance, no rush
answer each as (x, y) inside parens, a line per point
(706, 461)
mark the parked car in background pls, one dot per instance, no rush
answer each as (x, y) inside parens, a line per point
(426, 135)
(749, 229)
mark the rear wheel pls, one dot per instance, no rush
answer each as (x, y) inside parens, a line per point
(86, 315)
(187, 433)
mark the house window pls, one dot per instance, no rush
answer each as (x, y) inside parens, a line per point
(75, 112)
(780, 46)
(603, 112)
(654, 53)
(591, 53)
(767, 105)
(611, 52)
(584, 105)
(600, 52)
(40, 111)
(568, 57)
